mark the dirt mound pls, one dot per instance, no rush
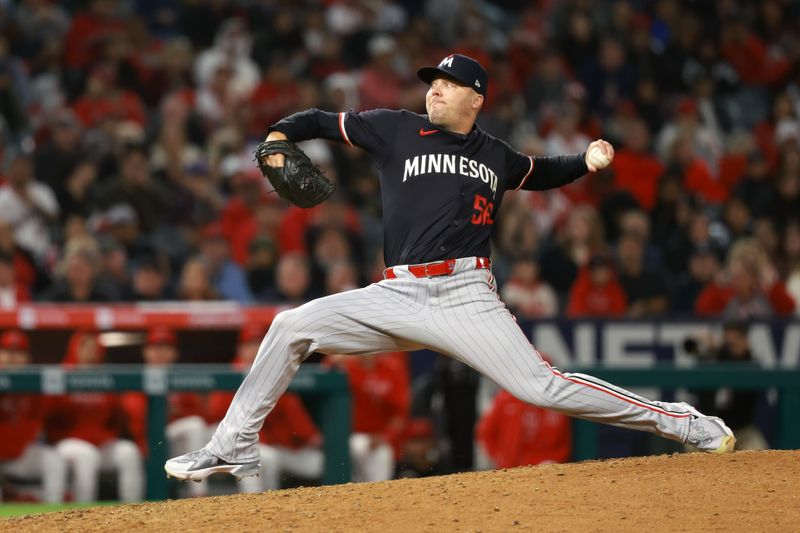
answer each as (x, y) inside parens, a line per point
(744, 491)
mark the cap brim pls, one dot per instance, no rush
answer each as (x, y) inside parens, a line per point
(427, 74)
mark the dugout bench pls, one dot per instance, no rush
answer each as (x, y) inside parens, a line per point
(327, 391)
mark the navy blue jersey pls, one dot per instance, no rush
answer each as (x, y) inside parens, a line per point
(440, 190)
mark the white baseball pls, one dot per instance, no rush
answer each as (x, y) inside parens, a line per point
(597, 158)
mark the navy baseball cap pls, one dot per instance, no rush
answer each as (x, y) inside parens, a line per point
(462, 68)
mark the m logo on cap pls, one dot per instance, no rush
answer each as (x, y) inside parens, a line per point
(466, 70)
(447, 62)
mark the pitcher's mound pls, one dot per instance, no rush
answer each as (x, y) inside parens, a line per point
(743, 491)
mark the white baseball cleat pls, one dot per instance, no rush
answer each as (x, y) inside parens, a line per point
(196, 466)
(709, 433)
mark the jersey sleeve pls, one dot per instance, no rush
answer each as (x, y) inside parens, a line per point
(519, 168)
(542, 173)
(371, 130)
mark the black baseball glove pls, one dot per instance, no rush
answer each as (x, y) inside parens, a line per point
(298, 181)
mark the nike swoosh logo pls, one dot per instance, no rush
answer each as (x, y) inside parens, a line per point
(423, 133)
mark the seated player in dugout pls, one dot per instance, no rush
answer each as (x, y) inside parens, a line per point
(91, 430)
(381, 398)
(186, 428)
(289, 442)
(442, 182)
(23, 455)
(516, 433)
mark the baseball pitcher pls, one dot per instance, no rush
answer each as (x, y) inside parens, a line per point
(442, 182)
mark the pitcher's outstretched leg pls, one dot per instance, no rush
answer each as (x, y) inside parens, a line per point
(501, 351)
(361, 321)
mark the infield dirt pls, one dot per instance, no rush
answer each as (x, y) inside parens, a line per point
(743, 491)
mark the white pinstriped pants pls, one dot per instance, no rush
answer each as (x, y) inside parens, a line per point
(460, 316)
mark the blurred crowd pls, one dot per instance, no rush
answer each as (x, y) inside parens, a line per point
(127, 174)
(128, 129)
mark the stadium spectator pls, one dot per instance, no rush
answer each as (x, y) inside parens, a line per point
(150, 281)
(90, 430)
(636, 223)
(90, 26)
(596, 291)
(76, 192)
(25, 270)
(239, 217)
(787, 203)
(702, 269)
(645, 288)
(226, 277)
(115, 267)
(297, 223)
(340, 277)
(22, 454)
(104, 103)
(194, 283)
(751, 290)
(514, 433)
(12, 292)
(381, 397)
(232, 47)
(574, 244)
(273, 97)
(755, 187)
(694, 232)
(566, 138)
(636, 169)
(118, 228)
(292, 280)
(607, 76)
(737, 219)
(186, 427)
(289, 441)
(671, 211)
(545, 88)
(329, 247)
(29, 206)
(526, 294)
(789, 247)
(262, 261)
(79, 280)
(56, 158)
(521, 223)
(136, 186)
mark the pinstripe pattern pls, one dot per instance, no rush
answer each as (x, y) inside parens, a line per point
(460, 316)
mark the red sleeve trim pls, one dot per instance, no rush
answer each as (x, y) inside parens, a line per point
(342, 130)
(521, 183)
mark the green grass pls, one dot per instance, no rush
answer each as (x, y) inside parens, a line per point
(18, 509)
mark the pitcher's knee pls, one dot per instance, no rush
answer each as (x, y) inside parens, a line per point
(293, 329)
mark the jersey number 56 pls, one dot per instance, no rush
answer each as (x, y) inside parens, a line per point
(482, 215)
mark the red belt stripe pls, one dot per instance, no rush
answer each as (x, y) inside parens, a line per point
(438, 268)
